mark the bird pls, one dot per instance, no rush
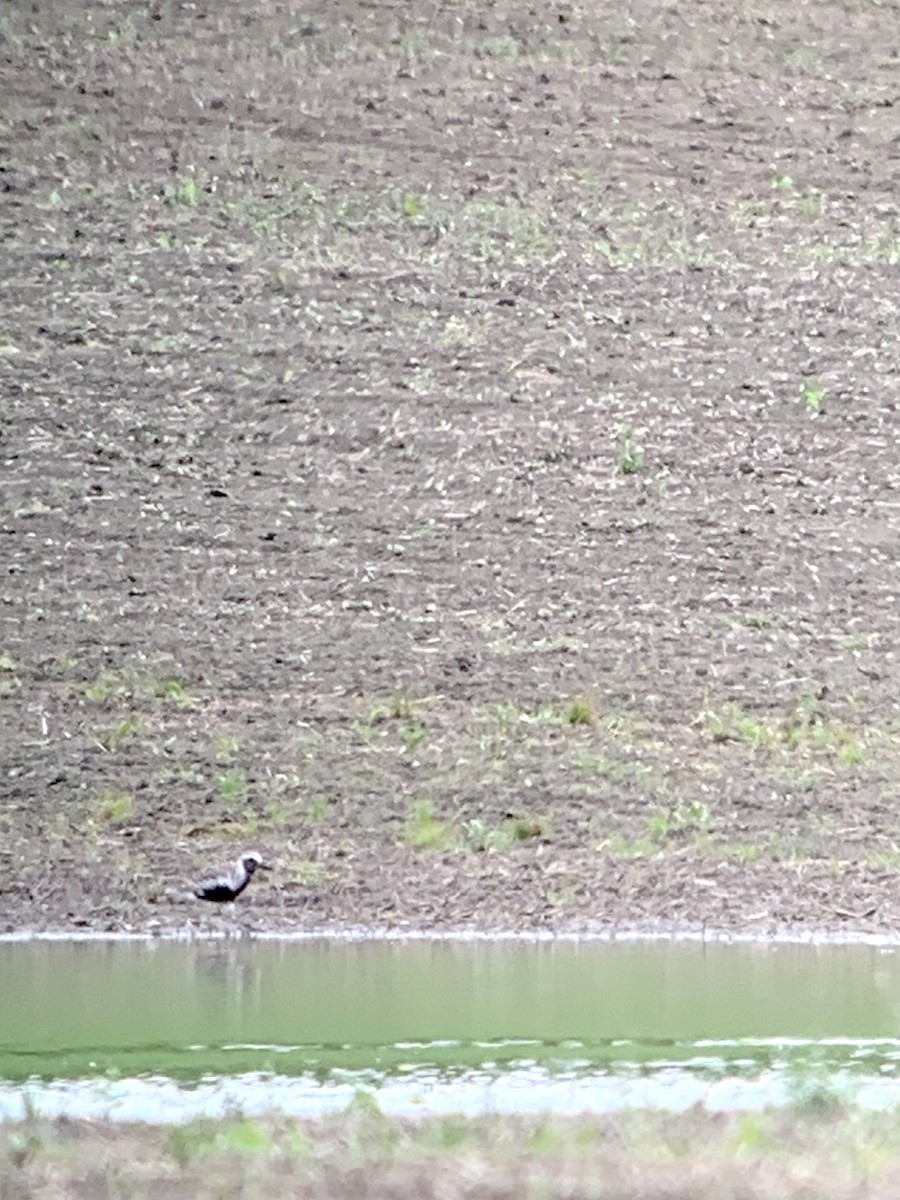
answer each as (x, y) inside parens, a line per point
(220, 889)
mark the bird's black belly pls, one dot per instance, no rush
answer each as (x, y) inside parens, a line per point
(220, 893)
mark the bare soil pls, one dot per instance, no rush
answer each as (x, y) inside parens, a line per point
(452, 448)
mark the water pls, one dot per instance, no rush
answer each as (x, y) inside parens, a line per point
(167, 1031)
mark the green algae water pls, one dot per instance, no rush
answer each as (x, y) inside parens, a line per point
(167, 1031)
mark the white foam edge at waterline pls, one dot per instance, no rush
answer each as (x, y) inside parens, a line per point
(163, 1101)
(784, 937)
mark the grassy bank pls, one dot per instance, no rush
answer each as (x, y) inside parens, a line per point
(808, 1151)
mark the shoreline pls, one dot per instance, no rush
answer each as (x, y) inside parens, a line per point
(720, 937)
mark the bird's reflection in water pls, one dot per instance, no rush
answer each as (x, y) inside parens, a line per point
(233, 971)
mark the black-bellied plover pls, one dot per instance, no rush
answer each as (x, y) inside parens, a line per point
(229, 885)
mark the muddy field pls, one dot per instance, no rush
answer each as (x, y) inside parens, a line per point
(452, 448)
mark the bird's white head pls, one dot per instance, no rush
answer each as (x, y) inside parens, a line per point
(252, 861)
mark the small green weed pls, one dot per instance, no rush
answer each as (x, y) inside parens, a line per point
(850, 752)
(155, 891)
(171, 689)
(526, 828)
(630, 453)
(187, 1143)
(424, 830)
(280, 816)
(413, 736)
(752, 1135)
(450, 1133)
(115, 806)
(460, 334)
(232, 787)
(102, 688)
(806, 730)
(742, 852)
(246, 1137)
(809, 207)
(184, 191)
(317, 809)
(111, 739)
(582, 711)
(400, 707)
(732, 724)
(308, 872)
(546, 1138)
(226, 745)
(134, 684)
(364, 1103)
(480, 836)
(813, 393)
(691, 817)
